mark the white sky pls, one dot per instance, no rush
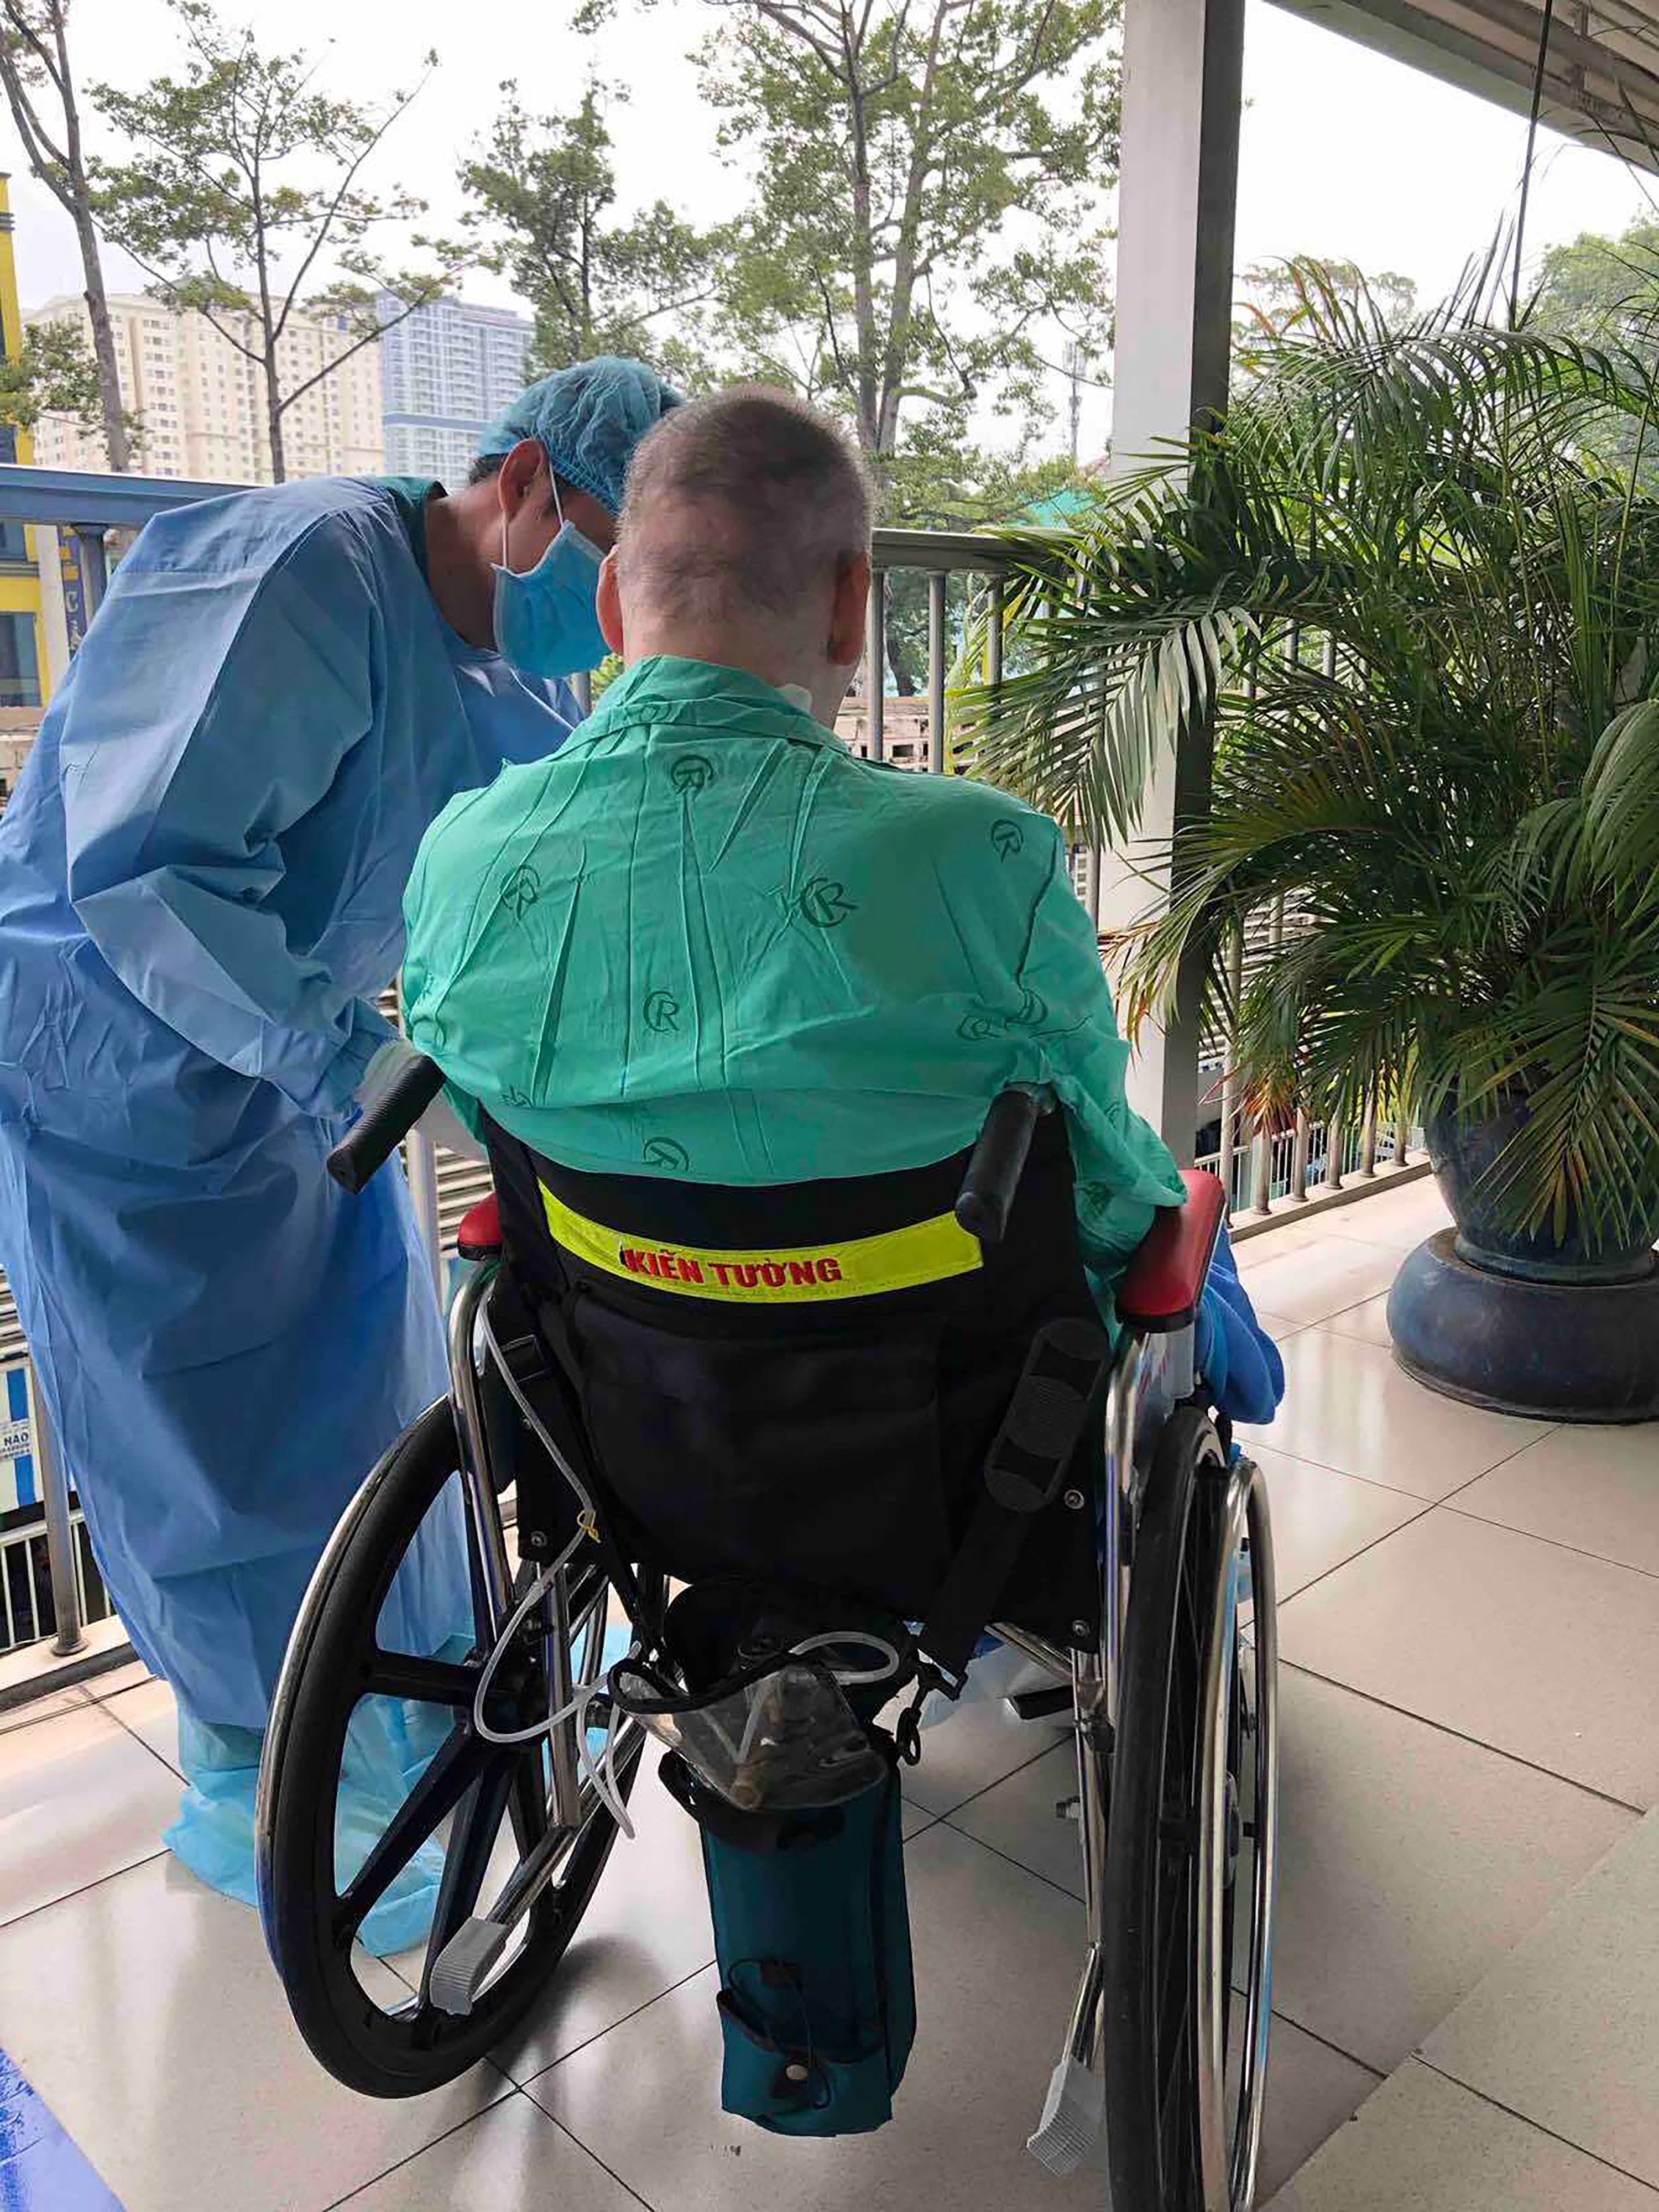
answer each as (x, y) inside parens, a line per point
(1345, 153)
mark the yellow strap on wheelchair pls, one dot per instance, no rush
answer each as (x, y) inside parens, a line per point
(896, 1260)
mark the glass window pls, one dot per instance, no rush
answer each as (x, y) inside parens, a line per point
(19, 670)
(14, 547)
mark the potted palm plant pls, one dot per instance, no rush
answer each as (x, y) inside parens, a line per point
(1423, 611)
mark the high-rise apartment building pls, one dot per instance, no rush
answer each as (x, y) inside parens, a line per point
(203, 402)
(447, 371)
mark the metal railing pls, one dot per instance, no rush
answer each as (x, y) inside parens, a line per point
(928, 587)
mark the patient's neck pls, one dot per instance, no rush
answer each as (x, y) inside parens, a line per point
(775, 658)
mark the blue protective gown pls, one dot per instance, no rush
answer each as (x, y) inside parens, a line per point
(201, 878)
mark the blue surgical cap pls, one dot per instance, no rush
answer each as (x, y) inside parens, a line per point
(589, 418)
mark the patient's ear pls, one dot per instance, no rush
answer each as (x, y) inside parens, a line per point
(848, 612)
(609, 605)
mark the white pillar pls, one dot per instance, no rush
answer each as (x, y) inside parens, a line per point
(1183, 90)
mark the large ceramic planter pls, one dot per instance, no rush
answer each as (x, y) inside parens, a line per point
(1538, 1325)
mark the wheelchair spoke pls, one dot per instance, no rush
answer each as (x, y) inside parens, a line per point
(456, 1765)
(429, 1682)
(471, 1840)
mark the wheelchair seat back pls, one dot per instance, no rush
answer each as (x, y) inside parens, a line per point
(801, 1383)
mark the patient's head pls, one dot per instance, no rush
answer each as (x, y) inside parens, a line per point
(744, 538)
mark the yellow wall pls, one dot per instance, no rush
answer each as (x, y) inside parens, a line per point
(20, 594)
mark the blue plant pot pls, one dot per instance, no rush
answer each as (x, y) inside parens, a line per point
(1462, 1151)
(1549, 1327)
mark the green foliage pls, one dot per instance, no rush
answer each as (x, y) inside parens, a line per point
(37, 75)
(1605, 292)
(928, 202)
(242, 175)
(542, 192)
(1426, 617)
(56, 374)
(1283, 296)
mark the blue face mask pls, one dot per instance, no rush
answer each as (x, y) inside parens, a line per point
(545, 619)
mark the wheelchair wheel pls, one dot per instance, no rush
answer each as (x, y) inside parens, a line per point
(1190, 1845)
(483, 1801)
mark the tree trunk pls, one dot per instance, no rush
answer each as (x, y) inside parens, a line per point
(103, 346)
(900, 661)
(274, 418)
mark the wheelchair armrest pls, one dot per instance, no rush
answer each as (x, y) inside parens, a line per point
(1165, 1279)
(479, 1236)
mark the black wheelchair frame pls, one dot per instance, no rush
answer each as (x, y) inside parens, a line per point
(1172, 1708)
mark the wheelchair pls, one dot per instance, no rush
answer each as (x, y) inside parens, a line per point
(904, 1441)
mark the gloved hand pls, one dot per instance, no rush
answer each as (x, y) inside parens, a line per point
(439, 1122)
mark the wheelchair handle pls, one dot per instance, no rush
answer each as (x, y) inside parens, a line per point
(371, 1141)
(998, 1162)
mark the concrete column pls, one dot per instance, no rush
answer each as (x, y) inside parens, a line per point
(1183, 90)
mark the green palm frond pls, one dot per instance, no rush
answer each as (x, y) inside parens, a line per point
(1423, 615)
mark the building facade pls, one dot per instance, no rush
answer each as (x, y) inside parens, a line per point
(203, 402)
(24, 682)
(446, 372)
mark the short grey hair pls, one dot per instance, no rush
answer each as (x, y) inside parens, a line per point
(786, 497)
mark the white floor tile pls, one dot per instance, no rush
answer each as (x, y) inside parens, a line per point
(1278, 1327)
(1016, 1817)
(1321, 1518)
(646, 1928)
(146, 2014)
(1306, 1280)
(1312, 2091)
(981, 1742)
(1367, 1322)
(1596, 1489)
(132, 1677)
(511, 2158)
(150, 1712)
(997, 1955)
(79, 1799)
(1401, 1217)
(1410, 1862)
(1424, 2144)
(1565, 2031)
(1546, 1654)
(1347, 1406)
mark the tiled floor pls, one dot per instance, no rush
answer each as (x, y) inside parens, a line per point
(1469, 1612)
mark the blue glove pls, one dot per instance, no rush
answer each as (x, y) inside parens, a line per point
(1237, 1358)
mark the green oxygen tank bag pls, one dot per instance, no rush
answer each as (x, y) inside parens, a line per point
(818, 1997)
(774, 1752)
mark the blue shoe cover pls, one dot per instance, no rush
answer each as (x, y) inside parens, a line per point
(213, 1832)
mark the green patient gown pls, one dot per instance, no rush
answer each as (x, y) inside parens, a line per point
(705, 941)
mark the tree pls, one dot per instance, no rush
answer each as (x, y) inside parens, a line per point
(1283, 296)
(928, 204)
(543, 193)
(939, 485)
(1601, 290)
(244, 176)
(36, 69)
(56, 373)
(1605, 292)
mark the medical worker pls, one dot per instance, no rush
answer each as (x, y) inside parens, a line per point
(201, 879)
(708, 942)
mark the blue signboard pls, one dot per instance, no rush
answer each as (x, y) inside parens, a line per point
(74, 586)
(18, 1484)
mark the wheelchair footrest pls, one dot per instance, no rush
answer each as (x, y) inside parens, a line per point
(1072, 2114)
(462, 1967)
(1048, 1705)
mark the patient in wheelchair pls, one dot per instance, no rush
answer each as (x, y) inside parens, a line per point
(706, 942)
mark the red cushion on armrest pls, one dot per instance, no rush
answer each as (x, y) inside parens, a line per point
(479, 1236)
(1165, 1279)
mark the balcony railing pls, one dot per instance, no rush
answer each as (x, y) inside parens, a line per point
(926, 586)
